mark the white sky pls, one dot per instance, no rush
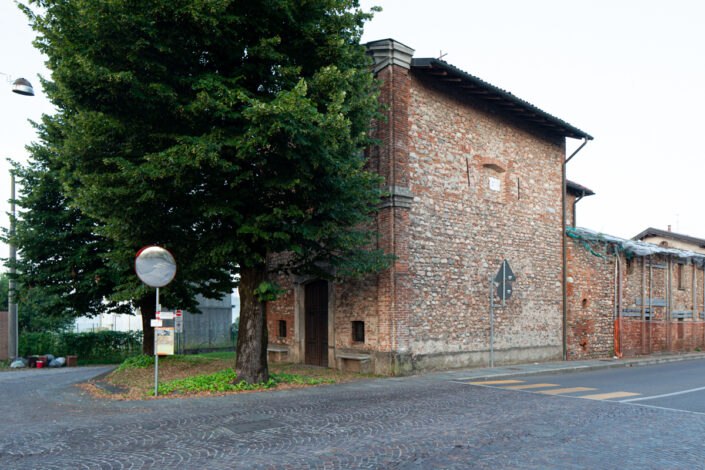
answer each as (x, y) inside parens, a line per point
(630, 73)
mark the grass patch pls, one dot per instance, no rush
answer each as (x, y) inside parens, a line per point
(224, 381)
(209, 374)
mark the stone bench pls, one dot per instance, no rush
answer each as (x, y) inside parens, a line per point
(354, 362)
(277, 353)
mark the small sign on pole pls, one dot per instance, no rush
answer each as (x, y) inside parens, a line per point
(500, 285)
(154, 323)
(178, 322)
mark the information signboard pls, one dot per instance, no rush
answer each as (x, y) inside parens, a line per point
(165, 341)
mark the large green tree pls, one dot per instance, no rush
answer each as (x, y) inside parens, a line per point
(228, 131)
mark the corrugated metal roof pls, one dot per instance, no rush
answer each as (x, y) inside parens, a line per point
(511, 104)
(635, 247)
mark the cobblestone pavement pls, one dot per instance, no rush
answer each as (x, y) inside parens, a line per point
(421, 422)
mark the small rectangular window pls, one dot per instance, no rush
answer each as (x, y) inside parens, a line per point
(358, 331)
(282, 328)
(679, 273)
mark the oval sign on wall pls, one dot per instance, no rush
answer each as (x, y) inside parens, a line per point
(155, 266)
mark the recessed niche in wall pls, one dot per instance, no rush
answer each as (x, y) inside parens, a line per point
(358, 331)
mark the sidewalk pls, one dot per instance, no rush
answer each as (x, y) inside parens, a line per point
(562, 367)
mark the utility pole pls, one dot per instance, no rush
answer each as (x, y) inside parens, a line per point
(11, 294)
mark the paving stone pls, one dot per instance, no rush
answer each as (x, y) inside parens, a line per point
(418, 422)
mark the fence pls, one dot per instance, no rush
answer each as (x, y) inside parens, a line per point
(641, 337)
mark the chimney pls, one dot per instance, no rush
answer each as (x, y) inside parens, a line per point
(669, 227)
(389, 52)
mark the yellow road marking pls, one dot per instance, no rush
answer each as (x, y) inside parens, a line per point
(497, 382)
(522, 387)
(607, 396)
(558, 391)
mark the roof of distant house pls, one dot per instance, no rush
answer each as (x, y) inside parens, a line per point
(578, 189)
(654, 232)
(478, 88)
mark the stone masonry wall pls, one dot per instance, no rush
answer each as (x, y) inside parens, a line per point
(485, 189)
(590, 290)
(594, 285)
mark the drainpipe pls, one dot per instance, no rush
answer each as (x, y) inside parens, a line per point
(565, 248)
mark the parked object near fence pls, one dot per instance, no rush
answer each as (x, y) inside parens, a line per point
(102, 346)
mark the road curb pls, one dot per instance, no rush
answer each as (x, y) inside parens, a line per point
(606, 364)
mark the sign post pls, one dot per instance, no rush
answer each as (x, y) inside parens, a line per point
(156, 267)
(502, 285)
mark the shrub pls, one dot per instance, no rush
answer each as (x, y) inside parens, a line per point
(99, 346)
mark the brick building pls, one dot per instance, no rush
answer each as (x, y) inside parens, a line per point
(630, 297)
(474, 177)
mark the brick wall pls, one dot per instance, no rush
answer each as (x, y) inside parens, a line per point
(462, 229)
(595, 285)
(590, 289)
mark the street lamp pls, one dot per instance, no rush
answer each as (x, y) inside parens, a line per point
(21, 86)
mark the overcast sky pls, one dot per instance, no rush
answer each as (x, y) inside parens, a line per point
(630, 73)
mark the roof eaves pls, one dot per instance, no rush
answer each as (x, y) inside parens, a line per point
(556, 124)
(578, 189)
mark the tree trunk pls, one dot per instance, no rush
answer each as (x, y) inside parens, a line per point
(251, 355)
(147, 306)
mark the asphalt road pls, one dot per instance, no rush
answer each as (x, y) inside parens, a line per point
(423, 422)
(674, 386)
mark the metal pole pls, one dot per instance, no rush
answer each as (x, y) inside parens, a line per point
(12, 322)
(491, 324)
(504, 281)
(156, 356)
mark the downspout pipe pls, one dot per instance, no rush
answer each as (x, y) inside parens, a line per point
(565, 249)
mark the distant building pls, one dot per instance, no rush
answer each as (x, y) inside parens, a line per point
(209, 330)
(668, 239)
(574, 193)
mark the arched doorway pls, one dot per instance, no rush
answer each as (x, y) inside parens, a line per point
(316, 323)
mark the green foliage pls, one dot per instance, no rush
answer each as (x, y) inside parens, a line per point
(234, 330)
(102, 346)
(4, 287)
(36, 311)
(143, 361)
(136, 362)
(224, 131)
(268, 291)
(224, 381)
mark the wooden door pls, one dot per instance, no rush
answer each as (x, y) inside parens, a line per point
(316, 306)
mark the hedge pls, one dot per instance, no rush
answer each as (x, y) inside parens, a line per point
(99, 346)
